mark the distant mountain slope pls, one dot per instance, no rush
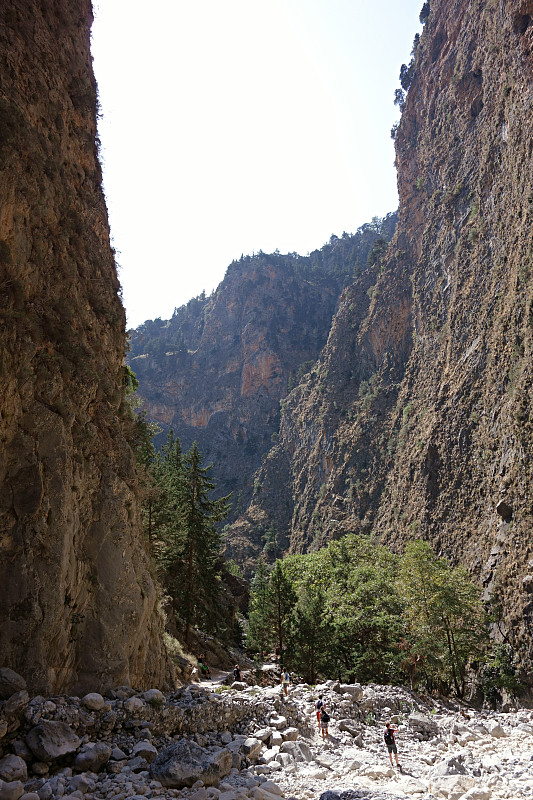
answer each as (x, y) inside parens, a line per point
(417, 421)
(217, 370)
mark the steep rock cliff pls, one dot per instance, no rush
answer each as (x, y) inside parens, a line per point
(217, 370)
(77, 601)
(417, 421)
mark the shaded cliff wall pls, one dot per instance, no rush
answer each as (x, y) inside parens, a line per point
(429, 432)
(77, 602)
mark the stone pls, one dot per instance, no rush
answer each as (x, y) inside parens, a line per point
(279, 722)
(259, 793)
(497, 732)
(264, 734)
(50, 740)
(239, 686)
(251, 748)
(13, 768)
(276, 739)
(477, 793)
(145, 750)
(355, 690)
(11, 790)
(270, 754)
(30, 796)
(420, 723)
(10, 683)
(154, 697)
(349, 726)
(184, 762)
(298, 750)
(449, 766)
(272, 788)
(92, 757)
(289, 734)
(133, 705)
(93, 701)
(16, 704)
(3, 728)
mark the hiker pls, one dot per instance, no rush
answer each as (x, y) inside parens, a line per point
(390, 741)
(205, 672)
(285, 680)
(237, 673)
(324, 720)
(319, 705)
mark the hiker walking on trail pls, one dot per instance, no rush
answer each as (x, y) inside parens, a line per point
(319, 705)
(285, 680)
(237, 673)
(390, 741)
(324, 721)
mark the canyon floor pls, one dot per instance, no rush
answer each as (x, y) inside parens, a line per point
(216, 742)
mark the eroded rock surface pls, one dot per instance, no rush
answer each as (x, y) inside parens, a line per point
(77, 601)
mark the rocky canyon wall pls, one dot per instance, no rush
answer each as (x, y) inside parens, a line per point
(217, 370)
(77, 601)
(417, 421)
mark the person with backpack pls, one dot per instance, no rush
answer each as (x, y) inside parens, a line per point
(390, 741)
(324, 721)
(285, 680)
(237, 673)
(319, 705)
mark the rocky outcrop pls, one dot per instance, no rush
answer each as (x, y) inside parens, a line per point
(77, 601)
(217, 370)
(417, 420)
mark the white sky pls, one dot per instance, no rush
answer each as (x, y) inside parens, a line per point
(233, 126)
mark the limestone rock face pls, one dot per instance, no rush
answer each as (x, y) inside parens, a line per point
(76, 597)
(417, 421)
(217, 370)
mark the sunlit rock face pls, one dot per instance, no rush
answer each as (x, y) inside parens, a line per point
(217, 371)
(77, 602)
(418, 422)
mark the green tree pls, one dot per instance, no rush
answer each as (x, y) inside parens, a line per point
(260, 628)
(200, 542)
(366, 610)
(311, 634)
(283, 603)
(184, 530)
(446, 623)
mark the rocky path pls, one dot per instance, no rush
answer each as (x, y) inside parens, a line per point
(250, 743)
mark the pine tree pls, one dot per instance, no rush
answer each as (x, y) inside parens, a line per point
(283, 601)
(199, 543)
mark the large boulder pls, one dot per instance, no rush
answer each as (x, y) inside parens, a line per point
(10, 683)
(13, 768)
(93, 701)
(355, 690)
(11, 790)
(185, 762)
(92, 757)
(298, 750)
(50, 740)
(420, 723)
(251, 748)
(349, 726)
(448, 766)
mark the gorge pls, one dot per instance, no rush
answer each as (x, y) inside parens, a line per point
(409, 418)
